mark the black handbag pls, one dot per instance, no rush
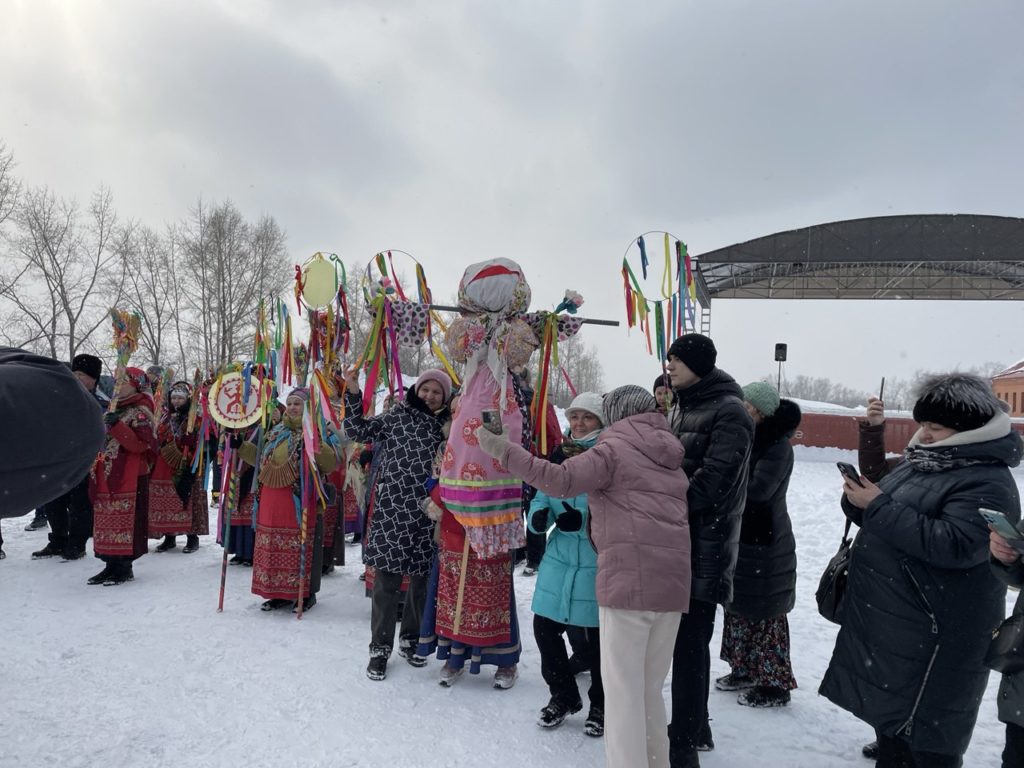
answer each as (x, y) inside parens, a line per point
(1006, 651)
(832, 585)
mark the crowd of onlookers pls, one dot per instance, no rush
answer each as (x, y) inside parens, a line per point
(656, 506)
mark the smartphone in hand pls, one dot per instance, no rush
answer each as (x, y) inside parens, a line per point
(491, 420)
(1001, 524)
(849, 471)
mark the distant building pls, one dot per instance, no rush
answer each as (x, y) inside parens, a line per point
(1009, 387)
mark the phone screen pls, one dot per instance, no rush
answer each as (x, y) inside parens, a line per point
(849, 471)
(491, 420)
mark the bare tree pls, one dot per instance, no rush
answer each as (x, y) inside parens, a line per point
(66, 271)
(583, 367)
(229, 266)
(150, 290)
(10, 185)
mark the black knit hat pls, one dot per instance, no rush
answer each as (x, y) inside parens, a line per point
(662, 381)
(957, 400)
(90, 365)
(696, 352)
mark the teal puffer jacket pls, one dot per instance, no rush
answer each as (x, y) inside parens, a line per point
(566, 581)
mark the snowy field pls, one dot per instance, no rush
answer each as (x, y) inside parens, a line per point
(149, 674)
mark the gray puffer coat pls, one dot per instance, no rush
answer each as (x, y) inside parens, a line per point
(921, 600)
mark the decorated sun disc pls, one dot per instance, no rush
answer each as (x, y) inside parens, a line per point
(227, 404)
(319, 282)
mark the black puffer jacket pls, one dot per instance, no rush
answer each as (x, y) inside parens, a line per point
(52, 431)
(1011, 688)
(765, 581)
(716, 432)
(405, 442)
(921, 600)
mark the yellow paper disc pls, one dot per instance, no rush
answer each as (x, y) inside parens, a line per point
(319, 288)
(226, 405)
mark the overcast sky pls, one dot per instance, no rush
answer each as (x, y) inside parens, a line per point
(551, 133)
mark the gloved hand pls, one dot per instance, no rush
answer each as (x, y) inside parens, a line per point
(539, 520)
(492, 444)
(570, 520)
(110, 419)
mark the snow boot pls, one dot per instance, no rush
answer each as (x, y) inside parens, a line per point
(680, 756)
(307, 603)
(870, 751)
(37, 522)
(407, 650)
(556, 710)
(449, 675)
(50, 550)
(578, 665)
(235, 560)
(594, 726)
(704, 741)
(733, 682)
(377, 669)
(191, 544)
(506, 677)
(275, 604)
(72, 552)
(119, 575)
(764, 696)
(101, 577)
(168, 543)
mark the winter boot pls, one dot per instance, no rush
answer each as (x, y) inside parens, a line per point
(73, 552)
(704, 741)
(683, 756)
(733, 682)
(275, 604)
(2, 553)
(37, 522)
(506, 677)
(554, 714)
(595, 722)
(50, 550)
(377, 669)
(191, 544)
(169, 542)
(119, 575)
(101, 577)
(870, 751)
(449, 675)
(764, 696)
(407, 650)
(235, 560)
(307, 603)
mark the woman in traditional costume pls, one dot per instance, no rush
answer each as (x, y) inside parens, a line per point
(120, 481)
(284, 554)
(475, 617)
(399, 539)
(177, 503)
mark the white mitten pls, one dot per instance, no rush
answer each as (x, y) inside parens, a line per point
(492, 444)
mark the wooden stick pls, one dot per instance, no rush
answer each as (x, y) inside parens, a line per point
(585, 320)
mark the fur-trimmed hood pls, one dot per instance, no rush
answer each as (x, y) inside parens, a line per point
(781, 424)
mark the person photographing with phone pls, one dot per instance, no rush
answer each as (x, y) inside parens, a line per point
(921, 601)
(1008, 567)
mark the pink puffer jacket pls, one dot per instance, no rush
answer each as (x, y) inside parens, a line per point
(638, 517)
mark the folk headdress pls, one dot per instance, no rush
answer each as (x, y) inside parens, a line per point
(492, 296)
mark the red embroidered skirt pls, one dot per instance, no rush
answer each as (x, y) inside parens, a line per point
(119, 513)
(168, 516)
(473, 594)
(277, 554)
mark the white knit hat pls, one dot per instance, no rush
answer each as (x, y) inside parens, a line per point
(591, 402)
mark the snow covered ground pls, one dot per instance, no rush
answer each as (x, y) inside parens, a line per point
(149, 674)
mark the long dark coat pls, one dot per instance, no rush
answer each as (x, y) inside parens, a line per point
(1011, 688)
(405, 442)
(765, 582)
(716, 432)
(921, 599)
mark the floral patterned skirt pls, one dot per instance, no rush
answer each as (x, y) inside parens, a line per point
(759, 650)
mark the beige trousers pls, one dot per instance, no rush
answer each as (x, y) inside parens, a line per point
(636, 655)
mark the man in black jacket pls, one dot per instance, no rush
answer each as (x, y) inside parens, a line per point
(53, 431)
(716, 431)
(70, 514)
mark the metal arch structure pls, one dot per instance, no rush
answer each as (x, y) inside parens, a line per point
(952, 257)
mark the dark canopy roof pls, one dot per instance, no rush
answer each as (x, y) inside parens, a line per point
(936, 256)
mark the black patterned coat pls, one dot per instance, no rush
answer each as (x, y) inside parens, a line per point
(405, 442)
